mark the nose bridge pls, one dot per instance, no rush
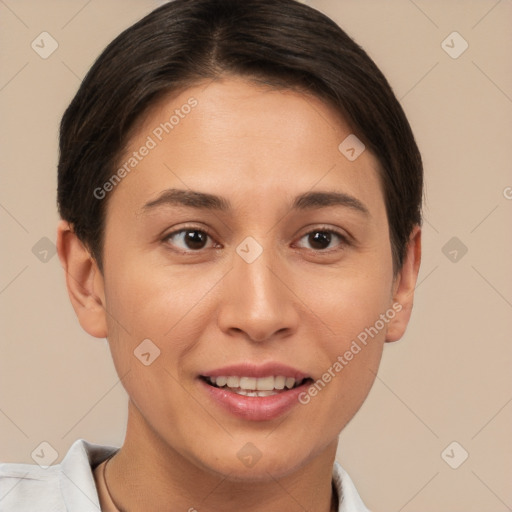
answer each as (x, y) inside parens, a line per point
(260, 280)
(257, 301)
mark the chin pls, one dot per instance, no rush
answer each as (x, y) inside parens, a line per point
(262, 467)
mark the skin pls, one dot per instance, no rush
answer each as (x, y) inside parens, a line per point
(298, 304)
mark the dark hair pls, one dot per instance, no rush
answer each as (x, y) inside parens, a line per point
(281, 42)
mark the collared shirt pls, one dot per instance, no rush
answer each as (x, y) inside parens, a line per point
(70, 487)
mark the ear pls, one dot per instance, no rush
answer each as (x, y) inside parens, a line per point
(403, 287)
(84, 281)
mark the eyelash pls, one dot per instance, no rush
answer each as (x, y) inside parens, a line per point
(343, 239)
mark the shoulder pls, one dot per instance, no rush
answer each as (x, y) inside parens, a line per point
(348, 497)
(22, 486)
(61, 487)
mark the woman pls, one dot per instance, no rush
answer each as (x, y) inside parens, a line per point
(240, 195)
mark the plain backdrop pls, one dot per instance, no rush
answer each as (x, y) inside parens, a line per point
(448, 380)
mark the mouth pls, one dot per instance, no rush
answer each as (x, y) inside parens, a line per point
(255, 393)
(255, 386)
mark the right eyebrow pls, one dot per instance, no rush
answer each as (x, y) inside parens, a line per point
(190, 198)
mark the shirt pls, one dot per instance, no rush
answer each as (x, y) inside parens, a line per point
(70, 487)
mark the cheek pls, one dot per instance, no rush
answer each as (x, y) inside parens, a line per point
(354, 301)
(164, 305)
(355, 309)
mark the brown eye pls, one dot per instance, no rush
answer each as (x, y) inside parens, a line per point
(195, 239)
(320, 240)
(188, 239)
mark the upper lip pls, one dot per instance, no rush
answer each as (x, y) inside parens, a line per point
(253, 370)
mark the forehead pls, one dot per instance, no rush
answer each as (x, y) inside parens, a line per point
(234, 137)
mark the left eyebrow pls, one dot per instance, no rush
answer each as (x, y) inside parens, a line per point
(314, 200)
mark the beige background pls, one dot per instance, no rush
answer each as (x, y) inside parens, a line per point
(447, 380)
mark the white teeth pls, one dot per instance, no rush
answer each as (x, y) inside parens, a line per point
(248, 383)
(279, 382)
(252, 386)
(233, 382)
(267, 393)
(253, 393)
(221, 381)
(265, 383)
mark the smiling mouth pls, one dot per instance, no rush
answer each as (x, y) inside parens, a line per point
(255, 386)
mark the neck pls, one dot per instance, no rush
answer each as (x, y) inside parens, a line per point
(147, 474)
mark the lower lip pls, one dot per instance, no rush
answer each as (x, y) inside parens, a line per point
(256, 408)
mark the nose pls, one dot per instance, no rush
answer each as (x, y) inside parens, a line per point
(258, 302)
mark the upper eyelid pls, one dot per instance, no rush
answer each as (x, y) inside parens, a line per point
(188, 228)
(337, 231)
(341, 233)
(191, 228)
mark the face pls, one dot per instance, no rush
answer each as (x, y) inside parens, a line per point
(252, 254)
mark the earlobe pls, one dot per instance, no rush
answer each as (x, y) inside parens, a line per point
(84, 281)
(405, 283)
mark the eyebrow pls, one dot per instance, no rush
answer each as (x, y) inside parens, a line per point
(203, 200)
(314, 200)
(190, 198)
